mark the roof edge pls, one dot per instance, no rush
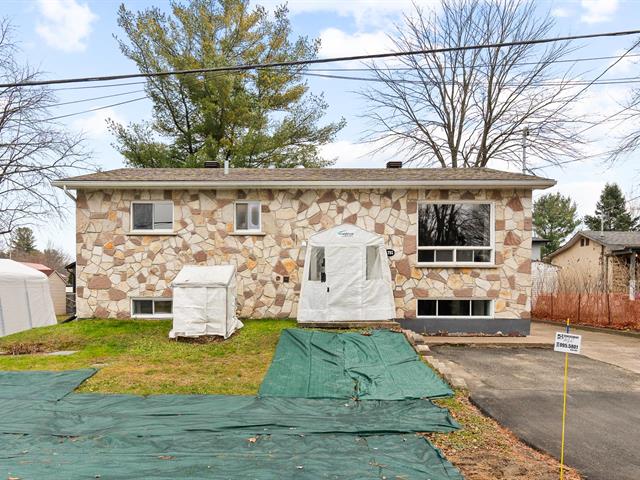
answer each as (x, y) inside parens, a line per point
(533, 183)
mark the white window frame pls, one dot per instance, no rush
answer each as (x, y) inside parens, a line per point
(235, 217)
(153, 300)
(491, 301)
(454, 263)
(152, 230)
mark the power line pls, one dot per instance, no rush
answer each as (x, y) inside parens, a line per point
(611, 81)
(131, 92)
(94, 109)
(100, 86)
(392, 68)
(320, 60)
(570, 60)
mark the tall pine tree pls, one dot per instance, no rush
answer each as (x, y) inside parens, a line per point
(23, 240)
(555, 216)
(611, 212)
(253, 118)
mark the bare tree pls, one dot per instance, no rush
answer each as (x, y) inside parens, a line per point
(629, 115)
(468, 108)
(33, 150)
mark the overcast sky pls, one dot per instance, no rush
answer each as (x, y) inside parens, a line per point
(69, 38)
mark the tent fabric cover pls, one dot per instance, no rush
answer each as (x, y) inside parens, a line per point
(204, 301)
(45, 428)
(357, 284)
(379, 366)
(25, 298)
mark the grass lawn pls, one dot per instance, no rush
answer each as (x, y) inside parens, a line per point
(135, 356)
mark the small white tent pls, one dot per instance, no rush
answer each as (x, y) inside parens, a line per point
(204, 301)
(346, 277)
(25, 299)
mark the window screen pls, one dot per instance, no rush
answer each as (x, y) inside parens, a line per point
(142, 216)
(143, 307)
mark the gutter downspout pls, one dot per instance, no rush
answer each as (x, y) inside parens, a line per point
(66, 192)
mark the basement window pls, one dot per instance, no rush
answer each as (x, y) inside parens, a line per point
(152, 217)
(455, 308)
(151, 307)
(456, 233)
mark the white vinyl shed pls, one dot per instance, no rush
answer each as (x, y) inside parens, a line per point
(346, 277)
(25, 299)
(204, 301)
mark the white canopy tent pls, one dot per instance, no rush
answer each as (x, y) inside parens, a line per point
(346, 277)
(25, 299)
(204, 301)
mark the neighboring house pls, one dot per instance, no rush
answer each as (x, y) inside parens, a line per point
(536, 247)
(605, 260)
(57, 286)
(462, 238)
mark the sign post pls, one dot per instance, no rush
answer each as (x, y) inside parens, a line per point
(567, 343)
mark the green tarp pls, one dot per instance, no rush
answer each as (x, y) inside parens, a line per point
(378, 366)
(41, 385)
(46, 431)
(229, 456)
(93, 414)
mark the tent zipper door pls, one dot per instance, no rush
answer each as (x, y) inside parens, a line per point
(345, 268)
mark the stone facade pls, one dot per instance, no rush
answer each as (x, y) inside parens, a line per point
(114, 266)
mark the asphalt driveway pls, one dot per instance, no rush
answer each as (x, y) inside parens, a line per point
(522, 389)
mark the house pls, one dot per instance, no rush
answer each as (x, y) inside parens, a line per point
(460, 239)
(57, 286)
(536, 247)
(603, 260)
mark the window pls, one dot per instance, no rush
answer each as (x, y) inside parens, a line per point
(247, 217)
(454, 308)
(454, 233)
(152, 216)
(374, 265)
(316, 265)
(151, 307)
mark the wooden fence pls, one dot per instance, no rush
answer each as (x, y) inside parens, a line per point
(611, 310)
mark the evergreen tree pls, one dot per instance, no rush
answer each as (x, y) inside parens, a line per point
(612, 212)
(555, 216)
(253, 118)
(23, 240)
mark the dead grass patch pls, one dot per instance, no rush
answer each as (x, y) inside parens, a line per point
(484, 450)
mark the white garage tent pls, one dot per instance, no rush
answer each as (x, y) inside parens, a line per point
(346, 277)
(25, 299)
(204, 301)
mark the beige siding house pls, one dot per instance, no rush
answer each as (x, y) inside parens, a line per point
(57, 287)
(461, 238)
(602, 260)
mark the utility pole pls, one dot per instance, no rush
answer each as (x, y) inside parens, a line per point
(525, 134)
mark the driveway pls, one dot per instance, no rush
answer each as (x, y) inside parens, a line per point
(522, 389)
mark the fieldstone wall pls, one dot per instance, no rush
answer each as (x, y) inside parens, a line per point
(113, 266)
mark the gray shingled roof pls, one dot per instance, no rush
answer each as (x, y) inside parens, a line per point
(302, 175)
(612, 241)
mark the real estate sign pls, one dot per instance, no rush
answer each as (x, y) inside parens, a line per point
(567, 342)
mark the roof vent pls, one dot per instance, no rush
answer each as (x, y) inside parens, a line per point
(211, 164)
(394, 164)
